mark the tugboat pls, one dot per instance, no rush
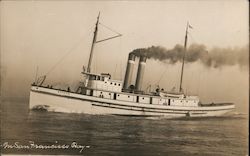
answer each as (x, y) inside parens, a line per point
(99, 94)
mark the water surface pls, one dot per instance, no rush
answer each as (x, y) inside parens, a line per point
(116, 135)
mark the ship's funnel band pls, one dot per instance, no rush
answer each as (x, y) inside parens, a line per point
(131, 61)
(143, 59)
(142, 64)
(131, 57)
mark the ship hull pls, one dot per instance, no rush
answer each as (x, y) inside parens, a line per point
(61, 101)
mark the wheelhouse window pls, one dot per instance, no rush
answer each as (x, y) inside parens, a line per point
(92, 77)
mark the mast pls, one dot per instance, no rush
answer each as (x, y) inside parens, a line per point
(93, 44)
(183, 59)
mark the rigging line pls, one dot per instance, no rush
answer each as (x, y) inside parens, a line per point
(109, 28)
(36, 74)
(115, 70)
(192, 37)
(161, 77)
(120, 56)
(108, 38)
(63, 57)
(95, 60)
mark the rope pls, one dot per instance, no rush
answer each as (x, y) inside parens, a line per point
(109, 28)
(72, 49)
(192, 37)
(66, 54)
(161, 77)
(62, 58)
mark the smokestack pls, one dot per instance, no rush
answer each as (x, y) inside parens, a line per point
(129, 71)
(140, 73)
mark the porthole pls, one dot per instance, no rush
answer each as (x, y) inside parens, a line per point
(128, 96)
(111, 83)
(119, 84)
(143, 98)
(115, 84)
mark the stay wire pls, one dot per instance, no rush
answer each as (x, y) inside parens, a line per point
(109, 28)
(161, 77)
(66, 54)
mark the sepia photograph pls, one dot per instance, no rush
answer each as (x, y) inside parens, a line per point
(115, 78)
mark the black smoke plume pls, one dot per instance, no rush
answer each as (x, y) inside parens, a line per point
(215, 57)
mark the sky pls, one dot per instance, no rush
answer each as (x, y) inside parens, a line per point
(55, 38)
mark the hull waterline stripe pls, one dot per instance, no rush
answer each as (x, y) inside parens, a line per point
(139, 110)
(126, 105)
(138, 115)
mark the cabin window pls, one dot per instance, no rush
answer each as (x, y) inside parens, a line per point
(137, 98)
(143, 98)
(111, 83)
(101, 92)
(92, 77)
(118, 95)
(118, 84)
(109, 93)
(91, 92)
(128, 96)
(115, 84)
(98, 78)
